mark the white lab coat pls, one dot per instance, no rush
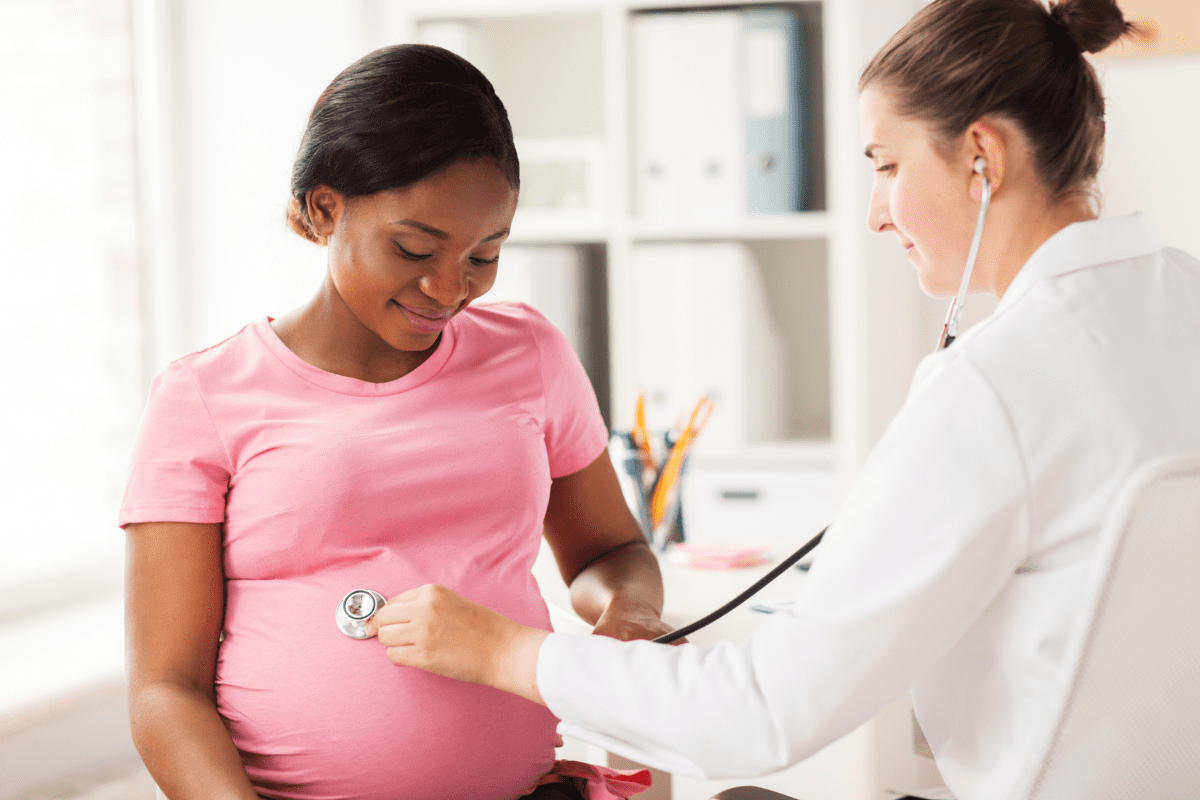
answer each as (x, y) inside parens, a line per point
(955, 564)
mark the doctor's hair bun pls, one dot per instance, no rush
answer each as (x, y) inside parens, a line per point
(958, 61)
(1092, 24)
(393, 118)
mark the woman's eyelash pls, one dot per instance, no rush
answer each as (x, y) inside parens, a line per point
(412, 255)
(885, 168)
(486, 260)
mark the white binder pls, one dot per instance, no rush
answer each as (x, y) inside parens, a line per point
(713, 141)
(719, 113)
(549, 278)
(689, 131)
(703, 327)
(655, 45)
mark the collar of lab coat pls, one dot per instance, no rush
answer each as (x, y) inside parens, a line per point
(1081, 245)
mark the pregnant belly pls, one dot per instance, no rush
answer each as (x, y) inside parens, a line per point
(319, 716)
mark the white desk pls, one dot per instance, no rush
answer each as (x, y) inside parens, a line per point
(689, 593)
(863, 765)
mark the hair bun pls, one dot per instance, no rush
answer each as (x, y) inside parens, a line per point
(1093, 24)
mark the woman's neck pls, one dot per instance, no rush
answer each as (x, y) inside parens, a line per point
(325, 333)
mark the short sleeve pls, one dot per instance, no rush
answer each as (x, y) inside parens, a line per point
(180, 470)
(574, 429)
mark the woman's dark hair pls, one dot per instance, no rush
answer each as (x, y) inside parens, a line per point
(959, 60)
(393, 118)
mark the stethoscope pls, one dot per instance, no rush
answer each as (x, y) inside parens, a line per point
(358, 606)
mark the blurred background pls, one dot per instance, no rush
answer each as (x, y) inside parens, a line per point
(680, 165)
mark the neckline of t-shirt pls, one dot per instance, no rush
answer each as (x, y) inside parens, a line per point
(343, 384)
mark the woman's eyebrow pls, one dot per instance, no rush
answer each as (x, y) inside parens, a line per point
(870, 147)
(421, 226)
(440, 234)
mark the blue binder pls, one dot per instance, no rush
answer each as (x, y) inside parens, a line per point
(777, 112)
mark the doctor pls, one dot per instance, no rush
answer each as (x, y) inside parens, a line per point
(955, 564)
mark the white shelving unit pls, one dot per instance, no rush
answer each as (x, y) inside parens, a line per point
(563, 69)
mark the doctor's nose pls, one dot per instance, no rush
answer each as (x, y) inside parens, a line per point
(879, 220)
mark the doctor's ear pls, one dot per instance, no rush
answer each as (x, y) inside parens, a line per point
(986, 146)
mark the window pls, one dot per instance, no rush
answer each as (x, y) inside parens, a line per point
(70, 331)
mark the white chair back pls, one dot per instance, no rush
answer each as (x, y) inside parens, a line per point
(1129, 721)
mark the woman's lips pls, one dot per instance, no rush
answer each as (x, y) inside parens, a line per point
(424, 320)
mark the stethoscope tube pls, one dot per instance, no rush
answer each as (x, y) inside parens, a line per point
(746, 595)
(950, 329)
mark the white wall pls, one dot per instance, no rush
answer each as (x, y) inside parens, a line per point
(1153, 114)
(247, 77)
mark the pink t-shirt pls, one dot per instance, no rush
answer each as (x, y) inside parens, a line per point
(325, 484)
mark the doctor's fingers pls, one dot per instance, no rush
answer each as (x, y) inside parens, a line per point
(448, 635)
(402, 607)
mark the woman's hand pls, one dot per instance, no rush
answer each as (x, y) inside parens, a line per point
(627, 620)
(602, 555)
(436, 630)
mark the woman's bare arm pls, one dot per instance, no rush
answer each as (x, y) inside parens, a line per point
(603, 556)
(174, 612)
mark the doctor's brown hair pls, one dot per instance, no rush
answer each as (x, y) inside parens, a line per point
(396, 116)
(957, 61)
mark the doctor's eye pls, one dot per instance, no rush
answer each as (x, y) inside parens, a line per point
(886, 168)
(485, 261)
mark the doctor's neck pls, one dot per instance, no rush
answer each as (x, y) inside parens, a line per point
(1022, 216)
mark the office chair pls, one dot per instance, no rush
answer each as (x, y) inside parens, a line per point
(1127, 723)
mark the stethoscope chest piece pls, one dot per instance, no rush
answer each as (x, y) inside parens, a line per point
(356, 609)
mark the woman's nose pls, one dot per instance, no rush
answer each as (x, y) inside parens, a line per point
(448, 284)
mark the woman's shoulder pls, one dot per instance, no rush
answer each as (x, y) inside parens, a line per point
(218, 361)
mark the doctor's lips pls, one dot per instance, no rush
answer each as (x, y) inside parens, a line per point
(423, 319)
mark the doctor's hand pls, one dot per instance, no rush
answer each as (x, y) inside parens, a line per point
(436, 630)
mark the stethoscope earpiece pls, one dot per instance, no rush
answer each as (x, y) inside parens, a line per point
(980, 165)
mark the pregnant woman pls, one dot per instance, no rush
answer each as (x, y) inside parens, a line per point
(385, 435)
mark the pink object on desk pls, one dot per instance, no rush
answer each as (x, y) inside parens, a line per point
(721, 556)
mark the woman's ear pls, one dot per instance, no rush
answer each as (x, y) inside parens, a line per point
(326, 207)
(985, 142)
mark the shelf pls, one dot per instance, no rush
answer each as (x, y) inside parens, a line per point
(446, 9)
(451, 9)
(810, 225)
(797, 453)
(547, 230)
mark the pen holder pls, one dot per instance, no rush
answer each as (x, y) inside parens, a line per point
(639, 479)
